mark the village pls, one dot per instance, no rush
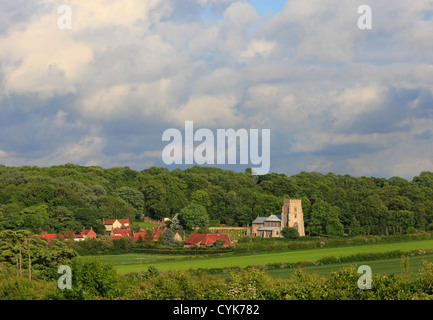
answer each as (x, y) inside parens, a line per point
(122, 228)
(264, 227)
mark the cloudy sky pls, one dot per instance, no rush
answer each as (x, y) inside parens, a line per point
(336, 98)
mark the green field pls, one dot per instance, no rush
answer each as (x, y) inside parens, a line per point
(129, 263)
(382, 266)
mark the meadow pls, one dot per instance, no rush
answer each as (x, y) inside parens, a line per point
(378, 267)
(133, 263)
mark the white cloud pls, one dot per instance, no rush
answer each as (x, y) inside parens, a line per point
(307, 73)
(257, 47)
(208, 111)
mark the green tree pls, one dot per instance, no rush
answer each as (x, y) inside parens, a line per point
(201, 197)
(93, 279)
(133, 197)
(168, 236)
(373, 214)
(324, 219)
(175, 223)
(193, 216)
(355, 228)
(290, 233)
(401, 220)
(45, 256)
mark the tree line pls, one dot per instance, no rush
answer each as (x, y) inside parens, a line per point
(72, 197)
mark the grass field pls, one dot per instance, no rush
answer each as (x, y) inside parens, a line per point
(131, 262)
(383, 266)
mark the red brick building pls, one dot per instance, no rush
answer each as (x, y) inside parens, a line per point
(207, 239)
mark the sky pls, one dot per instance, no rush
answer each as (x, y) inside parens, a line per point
(336, 98)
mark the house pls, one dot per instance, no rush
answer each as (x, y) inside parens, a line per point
(122, 233)
(85, 234)
(156, 233)
(112, 224)
(138, 235)
(291, 216)
(207, 239)
(47, 236)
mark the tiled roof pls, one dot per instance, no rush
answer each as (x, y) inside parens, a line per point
(208, 239)
(124, 222)
(267, 228)
(122, 232)
(260, 220)
(47, 236)
(137, 235)
(156, 232)
(273, 218)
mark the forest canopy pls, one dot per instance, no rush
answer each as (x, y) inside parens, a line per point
(70, 197)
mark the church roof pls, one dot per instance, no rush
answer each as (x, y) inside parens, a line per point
(273, 218)
(260, 220)
(267, 228)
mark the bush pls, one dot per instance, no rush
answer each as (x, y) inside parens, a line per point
(21, 288)
(92, 279)
(290, 233)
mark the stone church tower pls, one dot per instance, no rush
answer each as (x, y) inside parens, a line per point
(292, 215)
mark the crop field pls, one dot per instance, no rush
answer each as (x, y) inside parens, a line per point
(129, 263)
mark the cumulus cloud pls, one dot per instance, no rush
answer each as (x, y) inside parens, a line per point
(335, 97)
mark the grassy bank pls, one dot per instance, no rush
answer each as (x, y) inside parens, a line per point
(130, 263)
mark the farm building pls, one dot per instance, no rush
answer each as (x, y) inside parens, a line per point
(207, 239)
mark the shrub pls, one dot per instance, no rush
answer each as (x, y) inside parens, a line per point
(93, 279)
(21, 288)
(290, 233)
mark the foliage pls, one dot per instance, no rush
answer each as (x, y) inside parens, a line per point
(70, 197)
(45, 257)
(168, 236)
(290, 233)
(194, 216)
(92, 279)
(21, 288)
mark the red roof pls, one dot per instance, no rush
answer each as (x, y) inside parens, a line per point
(207, 239)
(156, 232)
(89, 233)
(47, 236)
(125, 223)
(108, 221)
(137, 235)
(122, 232)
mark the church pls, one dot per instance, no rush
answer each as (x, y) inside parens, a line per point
(291, 216)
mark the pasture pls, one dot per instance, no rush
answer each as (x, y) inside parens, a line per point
(133, 263)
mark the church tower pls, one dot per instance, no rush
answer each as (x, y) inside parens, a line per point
(292, 215)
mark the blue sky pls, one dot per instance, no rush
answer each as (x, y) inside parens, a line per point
(265, 7)
(336, 98)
